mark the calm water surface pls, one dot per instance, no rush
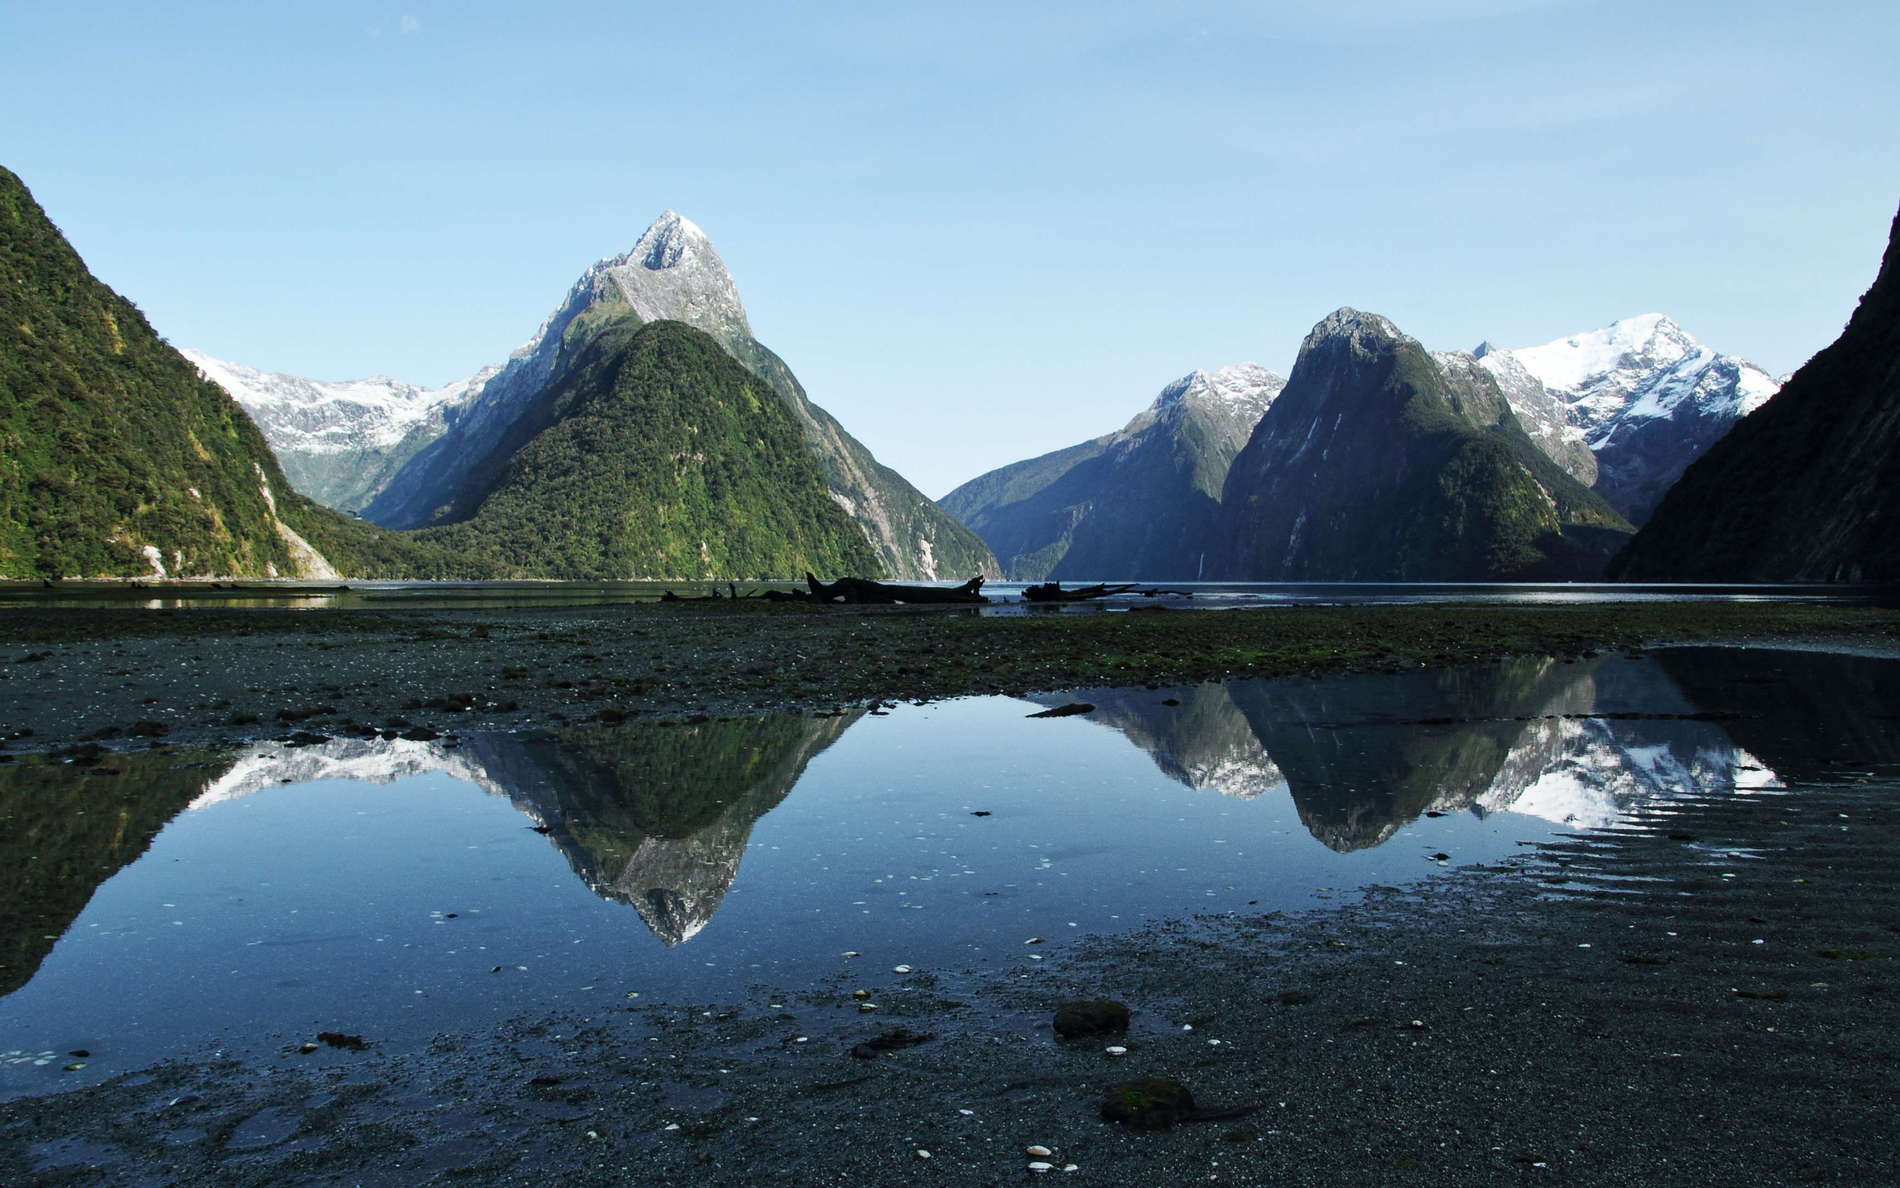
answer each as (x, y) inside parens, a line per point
(1006, 597)
(402, 889)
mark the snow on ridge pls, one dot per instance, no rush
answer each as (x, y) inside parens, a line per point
(1567, 364)
(328, 416)
(1638, 369)
(380, 761)
(1245, 386)
(671, 273)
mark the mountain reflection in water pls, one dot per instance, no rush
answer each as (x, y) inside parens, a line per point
(1363, 756)
(655, 816)
(658, 817)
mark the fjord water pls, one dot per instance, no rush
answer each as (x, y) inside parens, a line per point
(1006, 598)
(399, 890)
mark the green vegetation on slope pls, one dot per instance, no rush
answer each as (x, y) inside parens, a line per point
(111, 443)
(109, 440)
(655, 455)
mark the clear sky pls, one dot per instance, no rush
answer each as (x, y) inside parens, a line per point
(976, 231)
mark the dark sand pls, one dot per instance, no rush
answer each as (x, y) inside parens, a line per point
(1603, 1014)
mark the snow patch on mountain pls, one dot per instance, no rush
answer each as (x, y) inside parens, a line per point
(374, 761)
(1240, 391)
(329, 416)
(1643, 368)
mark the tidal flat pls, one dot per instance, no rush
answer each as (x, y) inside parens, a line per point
(1695, 990)
(99, 677)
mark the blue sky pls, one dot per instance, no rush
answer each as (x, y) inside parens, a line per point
(977, 231)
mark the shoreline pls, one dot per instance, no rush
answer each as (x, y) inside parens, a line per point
(88, 677)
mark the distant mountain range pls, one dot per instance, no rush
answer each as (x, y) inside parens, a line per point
(339, 442)
(1807, 488)
(1139, 503)
(1643, 397)
(408, 457)
(1621, 410)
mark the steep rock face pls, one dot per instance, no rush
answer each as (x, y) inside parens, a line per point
(1645, 397)
(339, 442)
(1808, 487)
(653, 455)
(1381, 462)
(1140, 503)
(116, 458)
(673, 274)
(1544, 417)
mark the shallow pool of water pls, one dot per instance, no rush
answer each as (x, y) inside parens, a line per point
(399, 889)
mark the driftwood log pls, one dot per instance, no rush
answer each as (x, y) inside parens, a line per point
(1053, 592)
(866, 591)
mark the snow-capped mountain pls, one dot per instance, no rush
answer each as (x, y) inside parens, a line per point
(338, 441)
(1644, 396)
(1380, 461)
(1136, 503)
(401, 454)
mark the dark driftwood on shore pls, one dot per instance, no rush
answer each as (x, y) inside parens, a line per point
(864, 590)
(1053, 592)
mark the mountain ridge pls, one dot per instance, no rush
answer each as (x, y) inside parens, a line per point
(1136, 503)
(1434, 478)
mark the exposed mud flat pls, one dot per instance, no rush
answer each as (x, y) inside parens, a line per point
(134, 677)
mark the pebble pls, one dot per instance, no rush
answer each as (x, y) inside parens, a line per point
(860, 995)
(900, 969)
(867, 1007)
(1039, 1151)
(1116, 1050)
(849, 953)
(1040, 1166)
(921, 1153)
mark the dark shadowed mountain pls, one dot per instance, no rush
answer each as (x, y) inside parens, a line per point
(1808, 487)
(1381, 462)
(1139, 503)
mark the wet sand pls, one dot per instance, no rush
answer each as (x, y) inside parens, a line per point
(1705, 996)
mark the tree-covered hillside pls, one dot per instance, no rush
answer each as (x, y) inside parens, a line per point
(654, 455)
(117, 459)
